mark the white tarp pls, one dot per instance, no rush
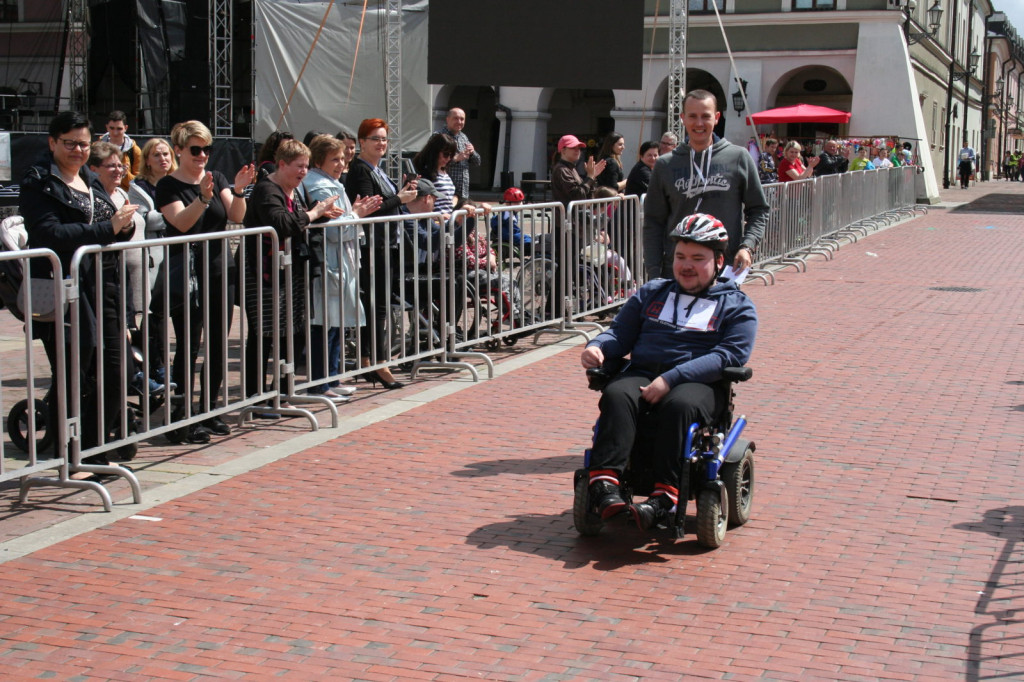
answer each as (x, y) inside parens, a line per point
(285, 31)
(5, 157)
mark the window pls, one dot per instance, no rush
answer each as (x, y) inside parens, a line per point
(810, 5)
(701, 6)
(8, 11)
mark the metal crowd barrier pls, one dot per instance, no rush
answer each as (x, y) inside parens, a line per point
(813, 216)
(190, 299)
(502, 286)
(403, 279)
(603, 257)
(36, 405)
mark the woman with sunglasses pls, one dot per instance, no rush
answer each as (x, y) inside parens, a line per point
(377, 255)
(430, 163)
(65, 206)
(196, 201)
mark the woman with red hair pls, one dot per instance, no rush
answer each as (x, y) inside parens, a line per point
(366, 178)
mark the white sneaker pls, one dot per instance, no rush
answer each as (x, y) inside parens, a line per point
(334, 397)
(343, 390)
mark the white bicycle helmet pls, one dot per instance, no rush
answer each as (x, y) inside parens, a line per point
(703, 229)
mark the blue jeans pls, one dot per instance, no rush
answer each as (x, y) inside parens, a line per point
(318, 369)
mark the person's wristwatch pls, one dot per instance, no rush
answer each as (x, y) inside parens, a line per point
(240, 195)
(205, 201)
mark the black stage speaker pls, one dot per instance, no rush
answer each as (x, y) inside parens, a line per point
(190, 91)
(589, 44)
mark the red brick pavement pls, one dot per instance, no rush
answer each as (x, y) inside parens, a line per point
(886, 541)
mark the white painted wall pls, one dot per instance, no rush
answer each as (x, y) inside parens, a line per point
(883, 66)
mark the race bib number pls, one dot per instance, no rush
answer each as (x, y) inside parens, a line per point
(688, 312)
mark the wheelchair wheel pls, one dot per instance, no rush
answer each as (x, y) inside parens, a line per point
(711, 519)
(536, 280)
(586, 522)
(17, 426)
(738, 478)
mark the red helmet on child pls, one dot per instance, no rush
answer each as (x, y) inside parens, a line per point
(514, 194)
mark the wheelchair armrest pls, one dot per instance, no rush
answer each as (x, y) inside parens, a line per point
(737, 373)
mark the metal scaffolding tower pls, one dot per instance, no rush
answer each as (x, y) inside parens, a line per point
(78, 55)
(677, 68)
(220, 67)
(393, 86)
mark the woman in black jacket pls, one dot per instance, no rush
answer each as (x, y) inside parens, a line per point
(277, 202)
(65, 207)
(366, 178)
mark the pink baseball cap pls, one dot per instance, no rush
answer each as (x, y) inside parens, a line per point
(570, 141)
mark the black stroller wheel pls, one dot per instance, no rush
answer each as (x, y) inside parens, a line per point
(17, 426)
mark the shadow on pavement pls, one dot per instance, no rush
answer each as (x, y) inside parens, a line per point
(533, 465)
(1002, 600)
(994, 203)
(552, 536)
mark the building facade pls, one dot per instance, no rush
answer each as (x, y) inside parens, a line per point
(901, 68)
(880, 60)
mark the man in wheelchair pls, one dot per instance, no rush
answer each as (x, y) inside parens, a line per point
(680, 334)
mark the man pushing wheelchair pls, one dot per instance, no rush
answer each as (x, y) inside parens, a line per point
(681, 335)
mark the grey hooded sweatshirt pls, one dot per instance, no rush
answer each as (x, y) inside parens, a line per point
(721, 181)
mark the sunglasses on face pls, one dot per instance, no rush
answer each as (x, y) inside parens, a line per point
(72, 145)
(196, 150)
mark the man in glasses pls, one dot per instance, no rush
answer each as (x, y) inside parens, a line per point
(668, 142)
(117, 134)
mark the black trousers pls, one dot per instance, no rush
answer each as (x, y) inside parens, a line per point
(111, 305)
(377, 270)
(183, 369)
(621, 406)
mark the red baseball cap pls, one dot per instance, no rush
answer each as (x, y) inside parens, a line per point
(570, 141)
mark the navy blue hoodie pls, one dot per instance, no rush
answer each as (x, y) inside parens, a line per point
(693, 356)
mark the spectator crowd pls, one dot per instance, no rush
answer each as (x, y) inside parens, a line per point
(89, 191)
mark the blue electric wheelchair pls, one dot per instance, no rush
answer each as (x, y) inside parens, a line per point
(717, 471)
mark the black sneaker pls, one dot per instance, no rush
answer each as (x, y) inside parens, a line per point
(217, 426)
(193, 433)
(125, 453)
(605, 499)
(651, 512)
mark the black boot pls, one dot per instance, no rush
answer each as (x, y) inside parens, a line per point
(193, 433)
(605, 499)
(651, 512)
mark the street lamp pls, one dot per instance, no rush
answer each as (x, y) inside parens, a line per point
(737, 97)
(995, 96)
(934, 22)
(972, 66)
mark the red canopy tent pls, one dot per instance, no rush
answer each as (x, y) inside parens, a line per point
(799, 113)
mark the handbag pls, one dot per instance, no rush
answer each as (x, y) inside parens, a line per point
(44, 305)
(183, 281)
